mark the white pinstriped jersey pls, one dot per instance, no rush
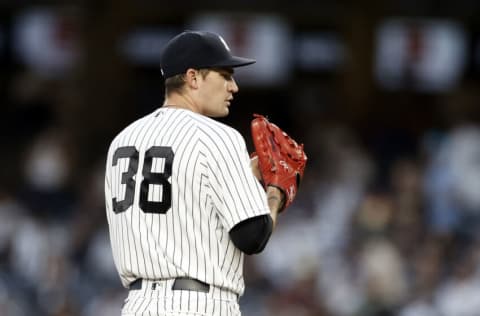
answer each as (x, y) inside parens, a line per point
(176, 182)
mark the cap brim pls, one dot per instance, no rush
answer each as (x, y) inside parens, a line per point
(236, 61)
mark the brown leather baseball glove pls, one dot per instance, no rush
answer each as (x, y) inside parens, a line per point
(281, 160)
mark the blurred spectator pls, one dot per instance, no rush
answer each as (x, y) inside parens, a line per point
(381, 226)
(426, 274)
(458, 294)
(452, 183)
(46, 173)
(383, 272)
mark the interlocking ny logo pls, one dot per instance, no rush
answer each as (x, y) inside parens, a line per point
(224, 43)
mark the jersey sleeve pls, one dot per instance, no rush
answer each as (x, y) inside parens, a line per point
(236, 194)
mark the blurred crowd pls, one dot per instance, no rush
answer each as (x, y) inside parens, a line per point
(384, 224)
(364, 237)
(407, 247)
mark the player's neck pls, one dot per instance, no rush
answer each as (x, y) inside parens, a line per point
(180, 102)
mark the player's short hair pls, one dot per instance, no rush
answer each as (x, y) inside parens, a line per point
(176, 83)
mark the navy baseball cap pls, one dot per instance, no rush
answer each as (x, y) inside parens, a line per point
(198, 50)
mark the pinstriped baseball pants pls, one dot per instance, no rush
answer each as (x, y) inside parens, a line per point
(156, 298)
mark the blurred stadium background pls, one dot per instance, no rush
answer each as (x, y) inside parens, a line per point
(384, 94)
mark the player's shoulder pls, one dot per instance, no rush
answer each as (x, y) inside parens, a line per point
(209, 126)
(123, 135)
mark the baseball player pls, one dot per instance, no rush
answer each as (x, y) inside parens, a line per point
(182, 203)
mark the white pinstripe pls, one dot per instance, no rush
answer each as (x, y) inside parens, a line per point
(212, 189)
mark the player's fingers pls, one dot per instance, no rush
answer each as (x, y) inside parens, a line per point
(255, 168)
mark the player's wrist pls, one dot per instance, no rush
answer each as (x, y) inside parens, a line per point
(276, 198)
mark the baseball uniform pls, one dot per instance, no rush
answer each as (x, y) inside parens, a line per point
(176, 183)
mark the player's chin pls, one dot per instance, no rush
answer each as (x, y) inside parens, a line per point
(226, 111)
(222, 112)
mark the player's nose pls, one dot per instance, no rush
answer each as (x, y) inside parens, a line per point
(233, 87)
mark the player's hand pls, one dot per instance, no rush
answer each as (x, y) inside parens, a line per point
(255, 168)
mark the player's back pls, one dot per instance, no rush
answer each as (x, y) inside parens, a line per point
(163, 198)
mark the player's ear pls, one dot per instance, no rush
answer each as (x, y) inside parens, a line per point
(191, 78)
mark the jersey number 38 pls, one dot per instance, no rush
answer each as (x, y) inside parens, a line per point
(149, 177)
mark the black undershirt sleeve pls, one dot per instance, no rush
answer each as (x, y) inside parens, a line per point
(251, 235)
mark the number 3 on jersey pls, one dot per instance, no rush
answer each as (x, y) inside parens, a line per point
(149, 177)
